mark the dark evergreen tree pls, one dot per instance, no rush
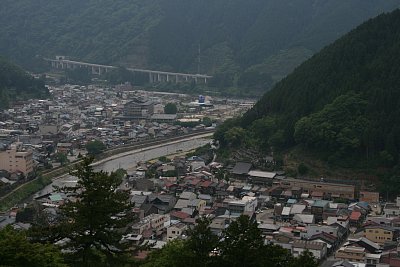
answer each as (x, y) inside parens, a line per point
(94, 220)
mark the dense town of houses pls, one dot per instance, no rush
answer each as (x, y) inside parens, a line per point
(33, 132)
(338, 223)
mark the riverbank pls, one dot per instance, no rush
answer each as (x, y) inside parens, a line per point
(125, 160)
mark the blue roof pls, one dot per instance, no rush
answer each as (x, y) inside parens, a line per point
(320, 203)
(363, 204)
(56, 197)
(292, 201)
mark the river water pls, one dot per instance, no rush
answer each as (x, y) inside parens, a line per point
(130, 159)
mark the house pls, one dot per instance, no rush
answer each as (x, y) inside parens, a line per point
(187, 195)
(318, 208)
(297, 209)
(163, 202)
(282, 239)
(355, 218)
(304, 219)
(261, 177)
(285, 215)
(56, 199)
(391, 210)
(147, 209)
(143, 185)
(331, 241)
(132, 239)
(140, 227)
(370, 247)
(181, 203)
(380, 234)
(391, 257)
(267, 228)
(239, 206)
(179, 215)
(64, 148)
(208, 187)
(218, 225)
(351, 253)
(313, 229)
(153, 222)
(139, 200)
(358, 255)
(342, 220)
(176, 231)
(317, 249)
(241, 170)
(207, 198)
(197, 204)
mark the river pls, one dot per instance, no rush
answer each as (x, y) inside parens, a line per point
(130, 159)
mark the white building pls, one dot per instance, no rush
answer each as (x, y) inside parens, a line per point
(314, 229)
(317, 249)
(239, 206)
(176, 231)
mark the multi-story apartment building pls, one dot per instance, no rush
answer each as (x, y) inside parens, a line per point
(380, 233)
(238, 206)
(139, 109)
(16, 159)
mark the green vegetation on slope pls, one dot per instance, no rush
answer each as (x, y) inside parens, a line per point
(24, 192)
(265, 39)
(17, 250)
(342, 103)
(16, 84)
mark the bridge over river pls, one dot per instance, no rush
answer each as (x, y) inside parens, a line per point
(154, 75)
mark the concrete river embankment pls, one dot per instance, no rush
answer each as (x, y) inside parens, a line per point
(128, 160)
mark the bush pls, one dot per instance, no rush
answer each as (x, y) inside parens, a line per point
(302, 169)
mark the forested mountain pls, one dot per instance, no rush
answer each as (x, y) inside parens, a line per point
(16, 84)
(262, 39)
(344, 102)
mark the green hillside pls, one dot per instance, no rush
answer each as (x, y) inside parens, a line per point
(343, 103)
(264, 39)
(16, 84)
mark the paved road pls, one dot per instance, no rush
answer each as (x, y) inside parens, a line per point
(129, 159)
